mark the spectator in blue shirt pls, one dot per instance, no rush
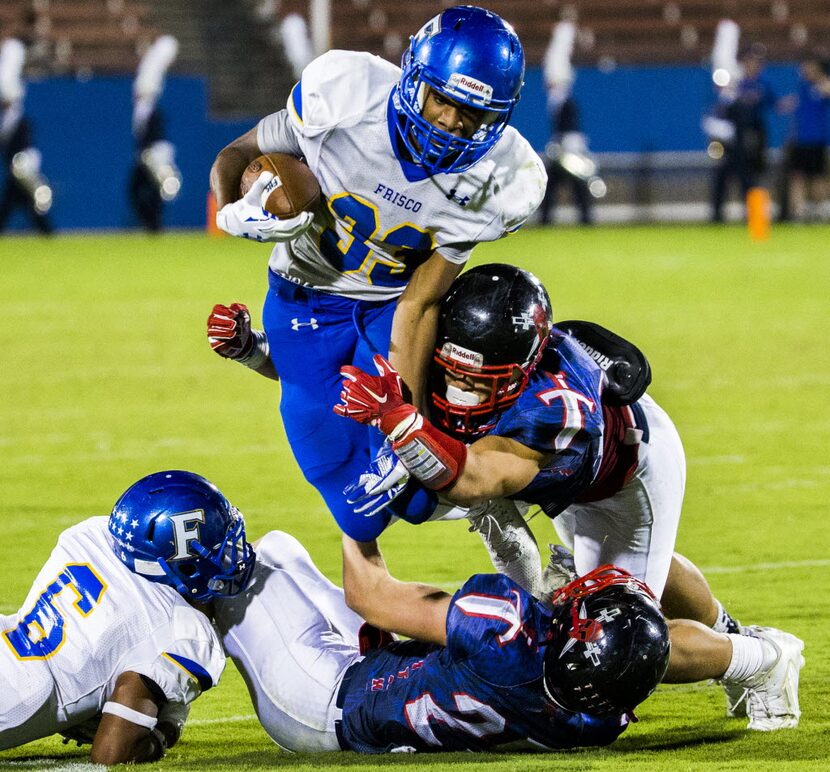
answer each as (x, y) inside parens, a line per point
(806, 166)
(745, 108)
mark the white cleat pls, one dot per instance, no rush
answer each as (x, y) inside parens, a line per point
(771, 698)
(509, 540)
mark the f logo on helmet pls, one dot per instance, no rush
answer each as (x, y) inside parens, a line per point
(185, 530)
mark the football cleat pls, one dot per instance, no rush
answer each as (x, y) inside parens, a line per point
(735, 699)
(559, 571)
(509, 541)
(771, 698)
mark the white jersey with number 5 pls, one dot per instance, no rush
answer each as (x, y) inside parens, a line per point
(381, 216)
(86, 620)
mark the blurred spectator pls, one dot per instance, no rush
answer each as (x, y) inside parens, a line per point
(155, 177)
(738, 125)
(566, 153)
(806, 156)
(25, 186)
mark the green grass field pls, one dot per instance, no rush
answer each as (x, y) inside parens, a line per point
(107, 376)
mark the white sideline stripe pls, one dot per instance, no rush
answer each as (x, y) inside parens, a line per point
(223, 720)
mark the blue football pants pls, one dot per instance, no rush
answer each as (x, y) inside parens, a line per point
(311, 335)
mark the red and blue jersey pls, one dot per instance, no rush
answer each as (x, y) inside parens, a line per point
(560, 414)
(484, 688)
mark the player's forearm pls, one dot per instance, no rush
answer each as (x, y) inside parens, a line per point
(409, 608)
(411, 344)
(416, 321)
(490, 473)
(228, 167)
(267, 370)
(146, 745)
(364, 573)
(225, 174)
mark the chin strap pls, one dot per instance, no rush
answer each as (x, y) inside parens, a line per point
(434, 458)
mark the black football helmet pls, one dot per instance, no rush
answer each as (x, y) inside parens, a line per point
(609, 644)
(493, 326)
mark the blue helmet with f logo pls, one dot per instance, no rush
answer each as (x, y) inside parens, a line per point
(472, 57)
(176, 528)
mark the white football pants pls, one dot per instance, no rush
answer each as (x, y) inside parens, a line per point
(635, 528)
(292, 637)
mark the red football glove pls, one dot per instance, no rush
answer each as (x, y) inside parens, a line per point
(373, 399)
(435, 458)
(229, 331)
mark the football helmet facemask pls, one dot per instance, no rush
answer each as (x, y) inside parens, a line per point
(608, 645)
(176, 528)
(493, 327)
(473, 58)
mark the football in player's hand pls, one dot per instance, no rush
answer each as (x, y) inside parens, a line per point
(294, 188)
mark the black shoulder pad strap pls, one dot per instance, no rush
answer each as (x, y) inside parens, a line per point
(626, 368)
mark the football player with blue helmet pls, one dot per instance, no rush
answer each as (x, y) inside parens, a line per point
(558, 416)
(417, 165)
(114, 640)
(187, 535)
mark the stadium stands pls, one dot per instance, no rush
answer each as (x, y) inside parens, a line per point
(107, 36)
(80, 36)
(636, 32)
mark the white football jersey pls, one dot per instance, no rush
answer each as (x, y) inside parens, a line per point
(86, 620)
(381, 218)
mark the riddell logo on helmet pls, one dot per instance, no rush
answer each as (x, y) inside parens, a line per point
(461, 82)
(462, 355)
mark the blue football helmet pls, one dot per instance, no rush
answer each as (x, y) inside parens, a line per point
(472, 57)
(176, 528)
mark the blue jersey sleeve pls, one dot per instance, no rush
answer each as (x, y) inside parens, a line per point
(493, 628)
(559, 414)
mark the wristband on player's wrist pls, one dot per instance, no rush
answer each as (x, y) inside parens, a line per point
(257, 351)
(432, 457)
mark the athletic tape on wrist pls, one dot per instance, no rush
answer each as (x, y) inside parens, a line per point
(128, 714)
(434, 458)
(259, 353)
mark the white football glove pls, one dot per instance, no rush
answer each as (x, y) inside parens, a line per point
(383, 481)
(247, 217)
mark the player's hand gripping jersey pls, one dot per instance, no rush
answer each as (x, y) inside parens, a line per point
(382, 215)
(592, 445)
(86, 620)
(483, 689)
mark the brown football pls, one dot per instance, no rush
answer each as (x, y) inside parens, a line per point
(294, 188)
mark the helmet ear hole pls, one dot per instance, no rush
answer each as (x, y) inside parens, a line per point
(188, 569)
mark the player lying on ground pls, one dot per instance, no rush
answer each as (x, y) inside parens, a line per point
(416, 165)
(113, 642)
(486, 666)
(546, 424)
